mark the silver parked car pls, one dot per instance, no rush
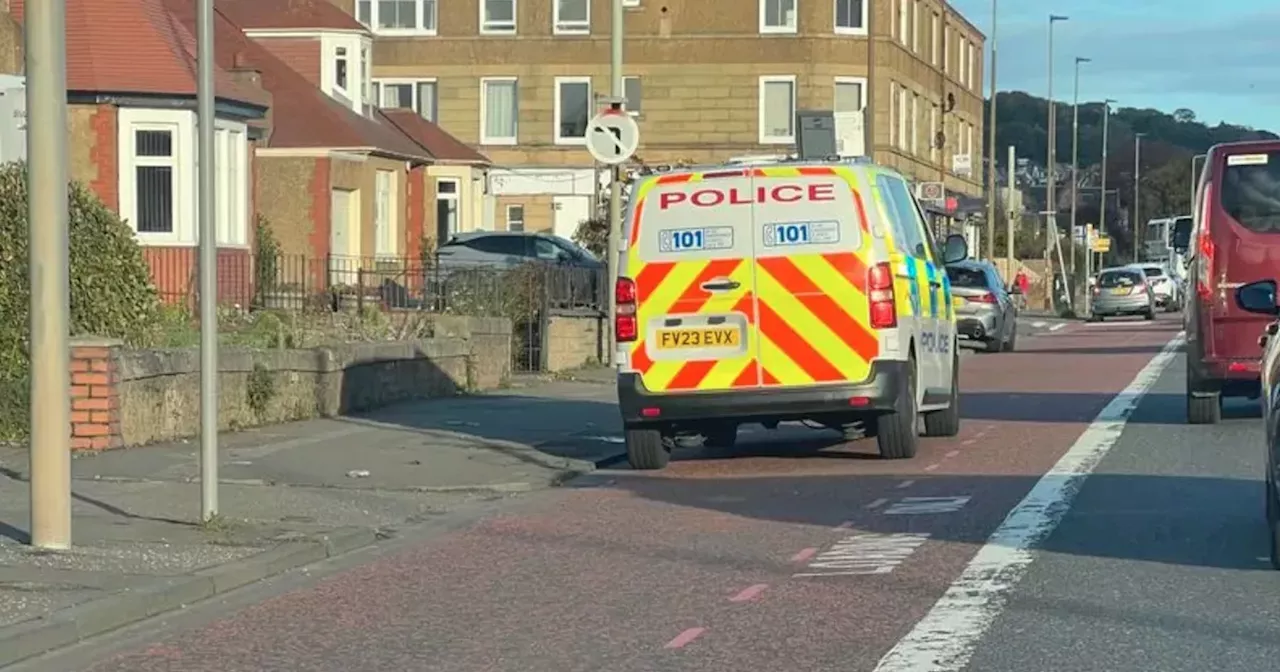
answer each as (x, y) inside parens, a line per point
(1122, 291)
(985, 312)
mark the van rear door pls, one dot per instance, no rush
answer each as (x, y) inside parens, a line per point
(812, 250)
(690, 256)
(1244, 228)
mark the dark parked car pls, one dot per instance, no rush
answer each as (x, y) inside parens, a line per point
(1259, 299)
(574, 278)
(985, 311)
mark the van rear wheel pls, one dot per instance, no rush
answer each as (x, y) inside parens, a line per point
(896, 435)
(646, 450)
(1204, 409)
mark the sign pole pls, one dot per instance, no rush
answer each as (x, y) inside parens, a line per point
(617, 91)
(208, 261)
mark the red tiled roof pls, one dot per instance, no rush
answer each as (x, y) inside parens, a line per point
(303, 116)
(288, 14)
(432, 138)
(134, 46)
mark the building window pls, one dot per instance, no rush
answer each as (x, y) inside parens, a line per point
(155, 165)
(974, 67)
(850, 94)
(573, 109)
(946, 50)
(366, 77)
(340, 68)
(777, 16)
(964, 63)
(446, 209)
(935, 35)
(572, 17)
(933, 131)
(904, 106)
(915, 124)
(497, 17)
(633, 92)
(384, 214)
(777, 110)
(499, 102)
(515, 218)
(904, 27)
(915, 27)
(386, 17)
(851, 17)
(157, 177)
(893, 113)
(417, 95)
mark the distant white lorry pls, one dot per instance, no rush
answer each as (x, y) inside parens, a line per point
(1166, 242)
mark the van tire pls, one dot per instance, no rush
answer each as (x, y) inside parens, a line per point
(946, 422)
(896, 435)
(1204, 410)
(646, 451)
(1012, 343)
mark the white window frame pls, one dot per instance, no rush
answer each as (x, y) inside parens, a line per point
(974, 67)
(766, 29)
(946, 49)
(497, 28)
(915, 124)
(849, 30)
(964, 62)
(426, 8)
(915, 27)
(342, 54)
(893, 113)
(520, 220)
(484, 111)
(761, 126)
(386, 225)
(231, 179)
(455, 195)
(561, 27)
(416, 102)
(640, 84)
(933, 131)
(630, 3)
(559, 81)
(862, 90)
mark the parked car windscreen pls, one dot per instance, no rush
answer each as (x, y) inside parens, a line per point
(973, 278)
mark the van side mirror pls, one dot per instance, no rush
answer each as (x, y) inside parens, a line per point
(1181, 238)
(1258, 297)
(955, 249)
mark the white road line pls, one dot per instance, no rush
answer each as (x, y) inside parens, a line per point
(1039, 323)
(945, 639)
(1056, 327)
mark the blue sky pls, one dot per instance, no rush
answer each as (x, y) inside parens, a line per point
(1215, 58)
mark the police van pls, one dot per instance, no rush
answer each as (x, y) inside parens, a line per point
(781, 290)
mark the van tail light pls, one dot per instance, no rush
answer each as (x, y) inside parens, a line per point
(884, 310)
(1204, 278)
(985, 297)
(625, 327)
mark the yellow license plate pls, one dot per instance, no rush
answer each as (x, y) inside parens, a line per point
(957, 301)
(1120, 291)
(715, 337)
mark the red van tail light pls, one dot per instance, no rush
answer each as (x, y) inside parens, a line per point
(625, 327)
(1204, 279)
(884, 310)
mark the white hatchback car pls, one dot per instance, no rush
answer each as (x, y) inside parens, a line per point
(1164, 286)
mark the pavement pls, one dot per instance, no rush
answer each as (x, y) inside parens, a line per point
(290, 495)
(1076, 523)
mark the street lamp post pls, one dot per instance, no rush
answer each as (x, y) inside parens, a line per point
(1051, 204)
(1137, 181)
(1106, 143)
(1075, 160)
(992, 190)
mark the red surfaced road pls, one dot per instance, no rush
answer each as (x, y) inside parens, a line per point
(693, 568)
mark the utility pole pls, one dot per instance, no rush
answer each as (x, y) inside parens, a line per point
(868, 112)
(1137, 180)
(1075, 164)
(49, 258)
(993, 190)
(1051, 191)
(618, 91)
(208, 223)
(1106, 143)
(1008, 203)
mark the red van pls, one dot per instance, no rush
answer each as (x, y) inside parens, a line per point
(1235, 240)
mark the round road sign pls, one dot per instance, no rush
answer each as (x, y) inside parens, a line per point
(612, 136)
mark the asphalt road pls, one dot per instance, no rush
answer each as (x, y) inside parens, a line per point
(1077, 523)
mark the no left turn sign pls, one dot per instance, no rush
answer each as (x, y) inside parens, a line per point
(612, 136)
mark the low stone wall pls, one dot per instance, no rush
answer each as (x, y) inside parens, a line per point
(126, 397)
(574, 341)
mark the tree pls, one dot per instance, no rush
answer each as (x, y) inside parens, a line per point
(1184, 116)
(593, 234)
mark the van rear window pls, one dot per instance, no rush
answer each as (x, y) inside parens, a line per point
(1250, 191)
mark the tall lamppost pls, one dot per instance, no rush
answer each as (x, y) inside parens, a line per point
(1051, 206)
(1075, 160)
(1137, 181)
